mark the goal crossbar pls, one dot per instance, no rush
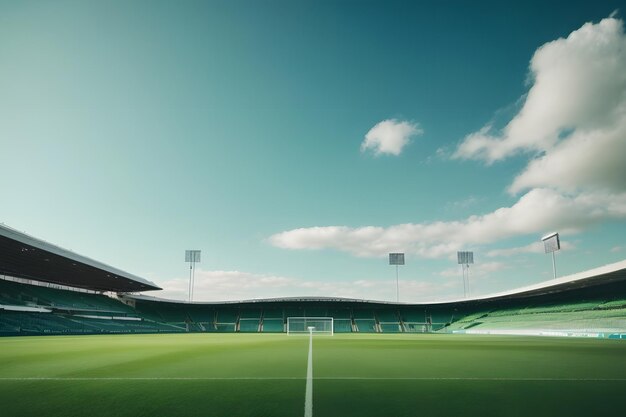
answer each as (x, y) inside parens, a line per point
(310, 325)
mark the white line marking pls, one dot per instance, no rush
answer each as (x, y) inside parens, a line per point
(156, 378)
(289, 378)
(359, 378)
(308, 397)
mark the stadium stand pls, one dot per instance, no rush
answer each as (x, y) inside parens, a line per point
(342, 326)
(48, 290)
(387, 316)
(273, 313)
(249, 325)
(226, 316)
(413, 315)
(366, 325)
(390, 328)
(273, 326)
(22, 294)
(37, 309)
(201, 314)
(388, 321)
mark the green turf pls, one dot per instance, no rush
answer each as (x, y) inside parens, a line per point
(355, 375)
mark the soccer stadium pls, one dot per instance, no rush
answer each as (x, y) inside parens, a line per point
(386, 208)
(140, 354)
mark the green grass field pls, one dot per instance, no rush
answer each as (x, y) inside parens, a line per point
(353, 375)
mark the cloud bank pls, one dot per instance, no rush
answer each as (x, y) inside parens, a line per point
(390, 137)
(537, 211)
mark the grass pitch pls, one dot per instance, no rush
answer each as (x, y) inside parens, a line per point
(353, 375)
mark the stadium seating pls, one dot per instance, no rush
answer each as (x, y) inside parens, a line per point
(14, 322)
(273, 325)
(390, 327)
(440, 316)
(365, 325)
(226, 315)
(342, 326)
(249, 325)
(20, 294)
(416, 327)
(619, 303)
(34, 309)
(225, 327)
(413, 315)
(569, 316)
(201, 314)
(387, 316)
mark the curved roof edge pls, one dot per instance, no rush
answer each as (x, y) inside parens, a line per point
(596, 276)
(600, 275)
(261, 300)
(10, 233)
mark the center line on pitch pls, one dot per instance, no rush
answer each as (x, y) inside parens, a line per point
(308, 397)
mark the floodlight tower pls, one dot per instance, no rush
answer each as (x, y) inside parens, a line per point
(464, 259)
(192, 256)
(551, 244)
(397, 259)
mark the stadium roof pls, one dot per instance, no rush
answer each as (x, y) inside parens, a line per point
(606, 274)
(24, 256)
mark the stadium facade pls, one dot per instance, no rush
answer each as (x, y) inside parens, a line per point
(45, 289)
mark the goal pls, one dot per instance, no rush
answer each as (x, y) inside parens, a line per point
(306, 325)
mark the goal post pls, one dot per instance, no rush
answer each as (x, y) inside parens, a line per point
(307, 325)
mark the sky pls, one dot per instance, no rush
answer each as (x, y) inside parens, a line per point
(297, 143)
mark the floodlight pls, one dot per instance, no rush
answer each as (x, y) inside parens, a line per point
(192, 256)
(551, 244)
(397, 259)
(465, 258)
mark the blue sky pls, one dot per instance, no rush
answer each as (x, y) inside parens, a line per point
(296, 143)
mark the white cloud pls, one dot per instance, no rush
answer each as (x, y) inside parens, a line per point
(535, 213)
(214, 285)
(578, 84)
(390, 136)
(616, 249)
(237, 285)
(587, 159)
(573, 117)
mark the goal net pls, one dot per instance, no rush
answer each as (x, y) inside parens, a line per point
(315, 325)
